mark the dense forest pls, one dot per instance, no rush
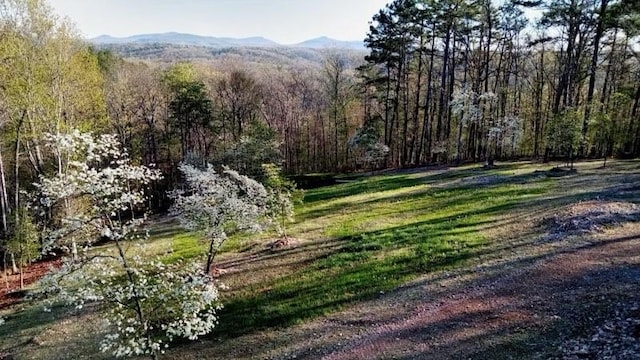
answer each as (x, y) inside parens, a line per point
(470, 80)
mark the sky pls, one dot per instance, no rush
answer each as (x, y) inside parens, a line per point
(283, 21)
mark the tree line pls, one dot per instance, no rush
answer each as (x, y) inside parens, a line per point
(459, 80)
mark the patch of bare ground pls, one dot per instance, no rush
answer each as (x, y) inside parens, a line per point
(589, 216)
(266, 260)
(560, 280)
(10, 292)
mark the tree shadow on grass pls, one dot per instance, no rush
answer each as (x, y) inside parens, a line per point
(356, 268)
(359, 267)
(503, 314)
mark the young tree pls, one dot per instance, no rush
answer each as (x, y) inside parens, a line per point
(281, 195)
(146, 302)
(23, 242)
(218, 204)
(368, 146)
(464, 107)
(563, 134)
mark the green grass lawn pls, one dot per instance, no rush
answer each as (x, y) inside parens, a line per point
(380, 232)
(356, 240)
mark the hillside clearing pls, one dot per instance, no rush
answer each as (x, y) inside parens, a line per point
(453, 263)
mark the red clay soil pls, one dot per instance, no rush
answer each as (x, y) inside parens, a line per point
(12, 294)
(532, 298)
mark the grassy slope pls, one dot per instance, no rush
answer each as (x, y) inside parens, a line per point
(357, 239)
(379, 232)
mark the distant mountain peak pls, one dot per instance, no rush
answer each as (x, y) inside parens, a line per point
(177, 38)
(325, 42)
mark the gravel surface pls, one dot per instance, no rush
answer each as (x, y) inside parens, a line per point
(617, 338)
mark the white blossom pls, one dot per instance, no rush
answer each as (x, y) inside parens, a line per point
(464, 104)
(146, 303)
(373, 150)
(218, 204)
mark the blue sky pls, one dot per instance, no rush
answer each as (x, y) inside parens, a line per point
(284, 21)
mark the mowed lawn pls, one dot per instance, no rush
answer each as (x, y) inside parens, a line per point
(350, 242)
(367, 236)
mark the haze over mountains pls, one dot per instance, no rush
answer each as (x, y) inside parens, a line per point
(175, 38)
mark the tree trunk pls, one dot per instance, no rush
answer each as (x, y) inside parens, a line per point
(21, 265)
(4, 208)
(592, 75)
(136, 297)
(634, 118)
(16, 177)
(443, 89)
(426, 120)
(4, 268)
(414, 158)
(211, 253)
(14, 267)
(4, 203)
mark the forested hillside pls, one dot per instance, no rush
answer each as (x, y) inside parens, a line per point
(248, 56)
(442, 82)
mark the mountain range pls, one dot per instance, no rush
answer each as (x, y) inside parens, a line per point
(175, 38)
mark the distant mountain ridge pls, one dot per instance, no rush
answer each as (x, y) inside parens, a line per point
(324, 42)
(175, 38)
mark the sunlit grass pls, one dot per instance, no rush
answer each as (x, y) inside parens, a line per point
(355, 240)
(185, 246)
(390, 230)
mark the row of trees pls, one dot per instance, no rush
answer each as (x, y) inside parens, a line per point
(468, 79)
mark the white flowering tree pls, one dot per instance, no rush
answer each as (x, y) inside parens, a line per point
(486, 101)
(470, 107)
(373, 151)
(464, 106)
(218, 204)
(146, 302)
(511, 132)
